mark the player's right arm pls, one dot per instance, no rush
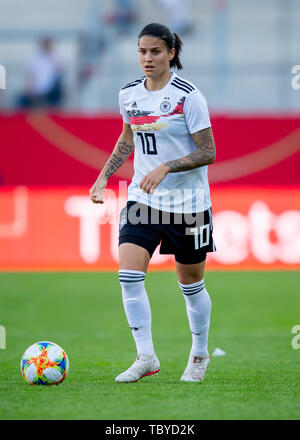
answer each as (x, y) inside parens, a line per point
(123, 149)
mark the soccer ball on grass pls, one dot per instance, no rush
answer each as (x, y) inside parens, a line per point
(44, 363)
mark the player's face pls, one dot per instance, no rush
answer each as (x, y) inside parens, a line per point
(154, 56)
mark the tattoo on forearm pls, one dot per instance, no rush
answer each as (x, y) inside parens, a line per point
(125, 148)
(116, 160)
(203, 155)
(113, 164)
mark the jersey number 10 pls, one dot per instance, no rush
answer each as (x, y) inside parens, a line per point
(148, 143)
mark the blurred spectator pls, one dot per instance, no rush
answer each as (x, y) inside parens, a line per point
(180, 20)
(44, 79)
(123, 16)
(92, 43)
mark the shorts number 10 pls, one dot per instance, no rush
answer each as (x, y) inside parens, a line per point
(199, 233)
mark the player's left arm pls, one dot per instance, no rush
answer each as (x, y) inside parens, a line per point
(204, 154)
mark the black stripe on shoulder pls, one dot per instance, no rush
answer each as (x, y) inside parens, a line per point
(181, 87)
(184, 83)
(133, 83)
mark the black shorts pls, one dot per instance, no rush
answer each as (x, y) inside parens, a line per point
(187, 236)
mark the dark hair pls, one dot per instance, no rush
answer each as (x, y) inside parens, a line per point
(172, 40)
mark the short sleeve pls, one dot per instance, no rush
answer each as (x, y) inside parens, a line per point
(196, 112)
(123, 111)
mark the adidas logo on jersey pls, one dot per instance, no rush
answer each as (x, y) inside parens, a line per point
(134, 105)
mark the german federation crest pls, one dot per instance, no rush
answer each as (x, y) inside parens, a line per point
(165, 106)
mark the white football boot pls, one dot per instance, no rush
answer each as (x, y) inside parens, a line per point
(195, 369)
(145, 365)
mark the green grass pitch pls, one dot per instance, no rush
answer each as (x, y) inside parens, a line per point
(252, 317)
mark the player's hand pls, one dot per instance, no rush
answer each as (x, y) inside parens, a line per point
(153, 179)
(96, 192)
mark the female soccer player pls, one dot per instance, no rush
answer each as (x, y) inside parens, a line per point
(166, 122)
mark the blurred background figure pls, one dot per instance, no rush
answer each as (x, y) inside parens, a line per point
(123, 16)
(91, 47)
(43, 78)
(179, 16)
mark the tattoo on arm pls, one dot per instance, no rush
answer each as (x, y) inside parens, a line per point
(125, 148)
(204, 154)
(121, 153)
(113, 164)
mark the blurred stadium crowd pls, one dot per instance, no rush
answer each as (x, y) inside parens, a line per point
(76, 54)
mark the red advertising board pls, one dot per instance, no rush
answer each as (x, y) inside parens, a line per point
(59, 228)
(48, 162)
(53, 149)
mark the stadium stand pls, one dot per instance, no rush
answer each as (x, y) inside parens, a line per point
(240, 54)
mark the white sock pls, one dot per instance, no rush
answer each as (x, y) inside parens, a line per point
(198, 307)
(137, 309)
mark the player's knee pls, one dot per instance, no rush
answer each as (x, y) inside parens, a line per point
(189, 279)
(133, 257)
(190, 273)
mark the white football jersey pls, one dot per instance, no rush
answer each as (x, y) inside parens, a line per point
(162, 122)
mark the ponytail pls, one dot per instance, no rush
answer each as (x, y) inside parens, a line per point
(172, 40)
(175, 62)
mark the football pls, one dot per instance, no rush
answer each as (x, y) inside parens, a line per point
(44, 363)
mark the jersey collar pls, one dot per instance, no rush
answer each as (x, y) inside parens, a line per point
(153, 92)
